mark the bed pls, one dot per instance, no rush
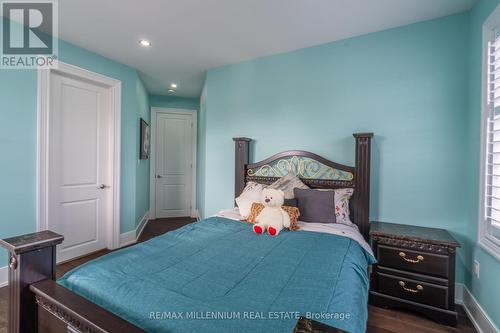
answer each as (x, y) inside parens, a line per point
(215, 275)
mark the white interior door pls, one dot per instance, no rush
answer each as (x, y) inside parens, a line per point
(174, 163)
(80, 196)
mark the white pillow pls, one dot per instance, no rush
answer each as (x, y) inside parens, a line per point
(287, 184)
(251, 193)
(342, 197)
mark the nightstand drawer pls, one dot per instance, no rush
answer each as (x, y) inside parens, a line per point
(415, 270)
(421, 262)
(413, 290)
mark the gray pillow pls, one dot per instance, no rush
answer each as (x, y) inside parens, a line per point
(287, 184)
(291, 203)
(316, 206)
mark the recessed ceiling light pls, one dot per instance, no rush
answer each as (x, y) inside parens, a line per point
(171, 91)
(145, 42)
(173, 85)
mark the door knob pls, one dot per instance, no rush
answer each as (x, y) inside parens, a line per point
(158, 176)
(101, 187)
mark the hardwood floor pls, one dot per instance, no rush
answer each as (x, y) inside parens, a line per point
(400, 321)
(153, 228)
(379, 320)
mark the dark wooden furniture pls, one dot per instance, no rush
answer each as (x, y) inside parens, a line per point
(305, 325)
(360, 182)
(32, 258)
(415, 270)
(39, 304)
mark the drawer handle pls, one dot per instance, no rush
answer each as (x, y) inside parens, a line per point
(419, 288)
(413, 261)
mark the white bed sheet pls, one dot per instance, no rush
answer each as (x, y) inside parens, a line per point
(344, 230)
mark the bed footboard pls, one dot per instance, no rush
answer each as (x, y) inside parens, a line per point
(60, 310)
(37, 304)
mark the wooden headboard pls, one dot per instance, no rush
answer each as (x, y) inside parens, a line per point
(315, 171)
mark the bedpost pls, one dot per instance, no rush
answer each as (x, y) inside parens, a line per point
(241, 155)
(32, 258)
(362, 191)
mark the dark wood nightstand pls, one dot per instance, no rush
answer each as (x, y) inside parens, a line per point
(305, 325)
(415, 270)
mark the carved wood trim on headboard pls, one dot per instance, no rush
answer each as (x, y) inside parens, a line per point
(302, 153)
(360, 181)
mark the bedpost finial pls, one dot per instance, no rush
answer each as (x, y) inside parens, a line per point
(242, 139)
(362, 135)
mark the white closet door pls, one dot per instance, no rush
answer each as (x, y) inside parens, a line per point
(79, 165)
(174, 151)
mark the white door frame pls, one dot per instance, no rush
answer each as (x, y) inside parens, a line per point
(152, 185)
(42, 172)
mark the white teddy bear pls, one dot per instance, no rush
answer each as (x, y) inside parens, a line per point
(272, 217)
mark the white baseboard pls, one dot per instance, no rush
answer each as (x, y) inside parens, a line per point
(475, 312)
(141, 225)
(127, 238)
(4, 276)
(459, 293)
(197, 217)
(131, 237)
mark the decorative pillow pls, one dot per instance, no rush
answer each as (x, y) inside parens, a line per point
(250, 194)
(287, 184)
(342, 197)
(316, 206)
(291, 203)
(293, 212)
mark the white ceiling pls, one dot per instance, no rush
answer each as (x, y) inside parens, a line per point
(191, 36)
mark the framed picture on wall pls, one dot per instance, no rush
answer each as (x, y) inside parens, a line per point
(144, 144)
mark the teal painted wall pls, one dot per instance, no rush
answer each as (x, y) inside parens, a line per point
(407, 85)
(486, 289)
(174, 102)
(18, 162)
(142, 171)
(18, 95)
(201, 156)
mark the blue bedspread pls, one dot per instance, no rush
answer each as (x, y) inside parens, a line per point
(218, 276)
